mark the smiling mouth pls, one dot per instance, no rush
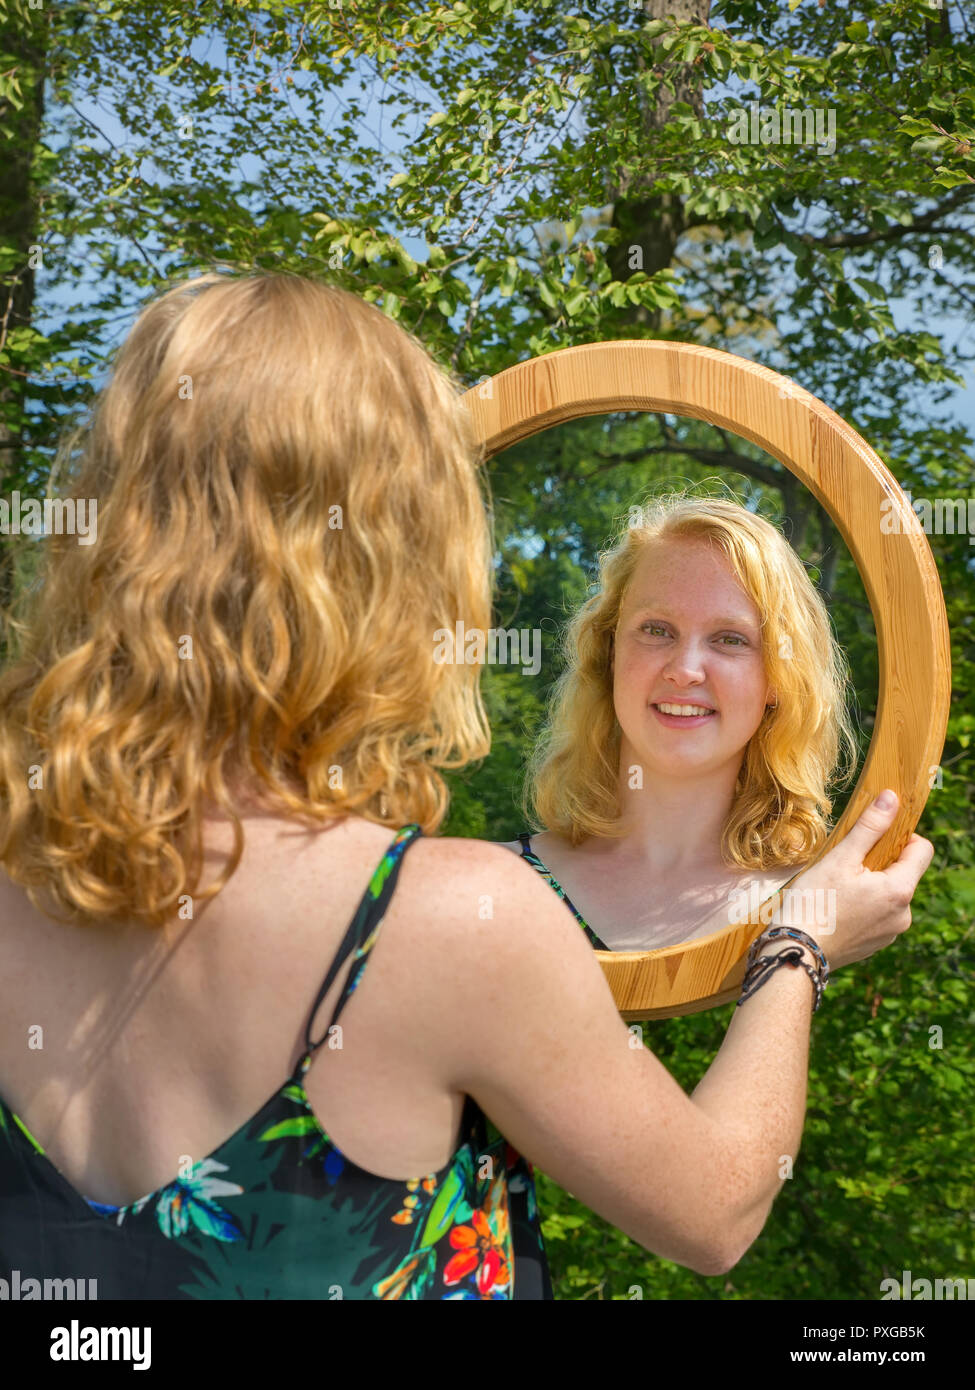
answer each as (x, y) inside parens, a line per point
(686, 711)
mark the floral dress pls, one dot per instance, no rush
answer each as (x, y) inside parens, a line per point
(278, 1211)
(529, 854)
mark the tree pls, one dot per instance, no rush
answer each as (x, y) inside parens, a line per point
(566, 177)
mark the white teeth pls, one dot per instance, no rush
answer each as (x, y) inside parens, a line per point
(684, 709)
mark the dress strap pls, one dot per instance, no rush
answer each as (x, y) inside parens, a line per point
(532, 858)
(363, 931)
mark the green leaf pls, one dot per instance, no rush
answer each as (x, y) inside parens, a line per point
(929, 143)
(950, 178)
(872, 287)
(509, 276)
(547, 294)
(575, 302)
(912, 126)
(448, 1205)
(294, 1127)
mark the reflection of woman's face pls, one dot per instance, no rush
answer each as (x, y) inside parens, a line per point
(688, 635)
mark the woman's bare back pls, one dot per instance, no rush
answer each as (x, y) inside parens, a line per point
(157, 1046)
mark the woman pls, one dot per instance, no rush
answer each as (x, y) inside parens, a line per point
(694, 731)
(220, 729)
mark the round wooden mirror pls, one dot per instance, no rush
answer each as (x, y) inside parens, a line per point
(895, 563)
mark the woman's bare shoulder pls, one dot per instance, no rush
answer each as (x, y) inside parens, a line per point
(452, 878)
(458, 855)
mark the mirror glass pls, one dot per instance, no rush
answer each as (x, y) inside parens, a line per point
(560, 498)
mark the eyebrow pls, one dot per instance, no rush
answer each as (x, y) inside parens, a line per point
(739, 620)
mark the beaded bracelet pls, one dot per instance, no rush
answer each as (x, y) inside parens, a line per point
(767, 965)
(758, 971)
(770, 933)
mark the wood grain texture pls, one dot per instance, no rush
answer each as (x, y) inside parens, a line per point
(898, 571)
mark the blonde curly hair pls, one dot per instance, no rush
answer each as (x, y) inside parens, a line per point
(290, 505)
(781, 805)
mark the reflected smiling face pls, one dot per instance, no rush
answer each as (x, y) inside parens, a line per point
(688, 634)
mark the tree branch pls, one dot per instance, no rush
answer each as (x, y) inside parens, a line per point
(925, 223)
(713, 458)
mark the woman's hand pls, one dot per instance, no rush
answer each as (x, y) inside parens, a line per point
(854, 911)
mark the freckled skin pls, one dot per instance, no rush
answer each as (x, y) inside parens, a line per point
(674, 645)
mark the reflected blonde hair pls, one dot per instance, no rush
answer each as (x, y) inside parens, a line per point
(781, 805)
(289, 495)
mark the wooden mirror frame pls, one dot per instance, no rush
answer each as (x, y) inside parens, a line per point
(898, 571)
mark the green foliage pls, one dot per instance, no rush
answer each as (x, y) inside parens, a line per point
(884, 1178)
(514, 202)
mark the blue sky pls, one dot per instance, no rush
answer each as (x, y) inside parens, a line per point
(55, 302)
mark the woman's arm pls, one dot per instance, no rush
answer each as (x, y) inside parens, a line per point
(527, 1025)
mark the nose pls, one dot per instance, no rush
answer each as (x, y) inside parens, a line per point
(685, 664)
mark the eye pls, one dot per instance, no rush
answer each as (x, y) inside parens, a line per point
(726, 637)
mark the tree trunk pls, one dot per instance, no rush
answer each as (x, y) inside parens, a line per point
(24, 42)
(654, 222)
